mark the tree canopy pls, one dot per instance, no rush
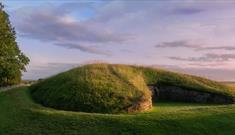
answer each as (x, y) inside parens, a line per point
(12, 60)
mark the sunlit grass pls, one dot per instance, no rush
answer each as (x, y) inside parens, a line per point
(111, 88)
(20, 115)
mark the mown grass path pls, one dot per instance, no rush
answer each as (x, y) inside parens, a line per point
(2, 89)
(19, 115)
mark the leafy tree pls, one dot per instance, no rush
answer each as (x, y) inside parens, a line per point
(12, 60)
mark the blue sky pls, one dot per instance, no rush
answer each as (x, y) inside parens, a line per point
(189, 36)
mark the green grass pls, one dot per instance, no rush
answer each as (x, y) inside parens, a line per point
(189, 82)
(93, 88)
(19, 115)
(114, 88)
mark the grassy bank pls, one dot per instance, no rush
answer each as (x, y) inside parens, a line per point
(20, 115)
(99, 88)
(108, 88)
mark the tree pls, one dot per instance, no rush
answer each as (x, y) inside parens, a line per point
(12, 60)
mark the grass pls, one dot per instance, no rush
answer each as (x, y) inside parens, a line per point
(93, 88)
(20, 115)
(189, 82)
(231, 84)
(114, 88)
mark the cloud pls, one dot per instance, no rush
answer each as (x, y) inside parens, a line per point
(50, 25)
(228, 48)
(59, 26)
(178, 44)
(83, 48)
(187, 11)
(219, 74)
(207, 58)
(211, 64)
(91, 27)
(192, 45)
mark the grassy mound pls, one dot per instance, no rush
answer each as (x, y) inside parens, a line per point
(95, 88)
(188, 82)
(115, 88)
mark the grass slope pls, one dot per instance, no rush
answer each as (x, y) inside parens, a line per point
(232, 84)
(93, 88)
(114, 88)
(20, 115)
(189, 82)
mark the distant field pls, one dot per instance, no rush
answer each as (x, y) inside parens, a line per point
(20, 115)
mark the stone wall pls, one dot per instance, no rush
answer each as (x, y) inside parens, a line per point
(144, 104)
(173, 93)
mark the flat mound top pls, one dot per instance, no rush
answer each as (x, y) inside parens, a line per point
(114, 88)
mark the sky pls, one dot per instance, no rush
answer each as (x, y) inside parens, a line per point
(190, 36)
